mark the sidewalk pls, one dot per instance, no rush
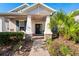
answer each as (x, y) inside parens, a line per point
(38, 48)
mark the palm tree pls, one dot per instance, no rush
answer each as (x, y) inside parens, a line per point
(67, 27)
(74, 13)
(58, 19)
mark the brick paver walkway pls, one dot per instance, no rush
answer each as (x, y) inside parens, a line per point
(39, 48)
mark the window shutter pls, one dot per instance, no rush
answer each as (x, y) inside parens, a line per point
(25, 25)
(17, 25)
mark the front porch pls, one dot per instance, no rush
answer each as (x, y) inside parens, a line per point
(38, 25)
(29, 24)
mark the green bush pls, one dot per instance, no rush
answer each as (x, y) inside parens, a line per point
(53, 47)
(58, 49)
(76, 38)
(64, 50)
(8, 37)
(18, 46)
(49, 41)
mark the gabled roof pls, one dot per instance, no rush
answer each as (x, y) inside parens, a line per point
(39, 4)
(24, 5)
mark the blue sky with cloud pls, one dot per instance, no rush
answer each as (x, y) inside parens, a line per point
(67, 7)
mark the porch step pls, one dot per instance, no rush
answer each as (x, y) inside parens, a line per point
(37, 37)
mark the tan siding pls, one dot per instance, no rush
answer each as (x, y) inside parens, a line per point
(12, 25)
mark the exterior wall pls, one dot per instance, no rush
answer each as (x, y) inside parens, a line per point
(0, 24)
(7, 25)
(3, 25)
(37, 22)
(12, 25)
(76, 18)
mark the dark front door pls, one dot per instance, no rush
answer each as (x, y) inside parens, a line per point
(38, 28)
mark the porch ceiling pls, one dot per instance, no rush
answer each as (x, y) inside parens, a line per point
(38, 17)
(21, 16)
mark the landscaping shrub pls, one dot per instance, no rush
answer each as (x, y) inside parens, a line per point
(49, 41)
(58, 49)
(53, 47)
(76, 38)
(17, 46)
(65, 50)
(10, 37)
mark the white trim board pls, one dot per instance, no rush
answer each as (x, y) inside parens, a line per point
(19, 7)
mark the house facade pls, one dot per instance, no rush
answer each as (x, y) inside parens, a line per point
(33, 20)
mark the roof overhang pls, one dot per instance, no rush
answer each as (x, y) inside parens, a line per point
(30, 8)
(12, 14)
(19, 7)
(17, 15)
(38, 4)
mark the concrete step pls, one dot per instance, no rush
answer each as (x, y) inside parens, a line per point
(37, 37)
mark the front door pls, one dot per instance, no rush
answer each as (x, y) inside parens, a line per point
(38, 28)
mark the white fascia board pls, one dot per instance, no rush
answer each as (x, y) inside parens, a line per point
(48, 7)
(29, 7)
(18, 7)
(41, 4)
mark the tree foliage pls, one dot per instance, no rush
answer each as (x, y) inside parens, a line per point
(66, 25)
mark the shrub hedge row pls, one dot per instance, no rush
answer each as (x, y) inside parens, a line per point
(8, 37)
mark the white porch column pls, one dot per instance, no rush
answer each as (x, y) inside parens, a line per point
(0, 24)
(47, 32)
(29, 25)
(28, 35)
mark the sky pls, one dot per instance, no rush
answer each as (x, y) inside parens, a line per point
(67, 7)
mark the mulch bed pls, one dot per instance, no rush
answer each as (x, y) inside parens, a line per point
(7, 50)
